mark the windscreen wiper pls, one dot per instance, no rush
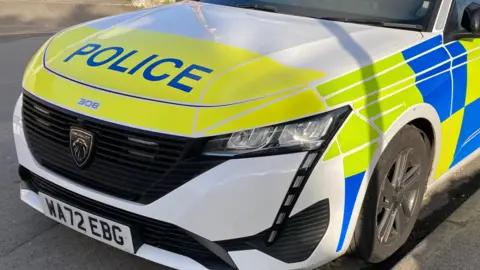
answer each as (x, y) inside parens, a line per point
(376, 23)
(258, 7)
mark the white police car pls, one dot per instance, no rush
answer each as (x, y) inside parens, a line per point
(251, 134)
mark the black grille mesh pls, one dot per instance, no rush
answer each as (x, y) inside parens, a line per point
(301, 235)
(127, 163)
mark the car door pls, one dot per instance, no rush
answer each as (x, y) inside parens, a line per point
(465, 108)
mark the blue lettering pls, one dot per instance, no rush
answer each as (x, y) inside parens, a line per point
(141, 64)
(175, 82)
(91, 61)
(116, 65)
(88, 103)
(147, 74)
(85, 50)
(151, 63)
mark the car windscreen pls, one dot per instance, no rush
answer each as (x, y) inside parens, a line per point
(390, 12)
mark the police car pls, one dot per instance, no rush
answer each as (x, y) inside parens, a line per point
(251, 134)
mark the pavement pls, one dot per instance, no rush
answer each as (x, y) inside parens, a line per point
(47, 16)
(455, 243)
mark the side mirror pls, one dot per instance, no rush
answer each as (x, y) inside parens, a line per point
(471, 19)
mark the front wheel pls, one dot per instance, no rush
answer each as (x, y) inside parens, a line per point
(394, 196)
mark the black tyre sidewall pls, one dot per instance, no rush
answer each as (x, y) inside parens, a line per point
(365, 241)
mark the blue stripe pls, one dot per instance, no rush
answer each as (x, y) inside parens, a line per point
(455, 49)
(422, 47)
(352, 186)
(459, 60)
(465, 151)
(434, 71)
(470, 125)
(459, 75)
(429, 60)
(459, 87)
(437, 90)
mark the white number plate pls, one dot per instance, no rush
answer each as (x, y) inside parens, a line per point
(99, 228)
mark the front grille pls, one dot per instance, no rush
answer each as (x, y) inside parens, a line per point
(302, 234)
(152, 232)
(127, 163)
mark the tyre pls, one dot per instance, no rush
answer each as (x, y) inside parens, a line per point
(394, 196)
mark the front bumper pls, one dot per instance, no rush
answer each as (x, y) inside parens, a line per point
(227, 204)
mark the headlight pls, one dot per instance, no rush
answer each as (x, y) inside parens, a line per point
(301, 135)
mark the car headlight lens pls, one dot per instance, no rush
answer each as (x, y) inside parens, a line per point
(301, 135)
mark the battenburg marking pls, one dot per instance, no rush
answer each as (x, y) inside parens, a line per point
(151, 65)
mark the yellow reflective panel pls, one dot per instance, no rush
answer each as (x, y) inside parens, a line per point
(381, 81)
(359, 161)
(34, 66)
(210, 116)
(124, 110)
(332, 151)
(293, 107)
(450, 133)
(261, 77)
(355, 133)
(387, 110)
(69, 39)
(364, 73)
(171, 67)
(473, 69)
(374, 97)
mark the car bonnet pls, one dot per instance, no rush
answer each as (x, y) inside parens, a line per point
(199, 66)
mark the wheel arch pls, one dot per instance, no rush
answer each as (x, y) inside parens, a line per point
(422, 116)
(425, 118)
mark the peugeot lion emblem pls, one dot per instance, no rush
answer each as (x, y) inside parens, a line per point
(81, 145)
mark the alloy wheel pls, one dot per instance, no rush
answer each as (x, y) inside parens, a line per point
(398, 197)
